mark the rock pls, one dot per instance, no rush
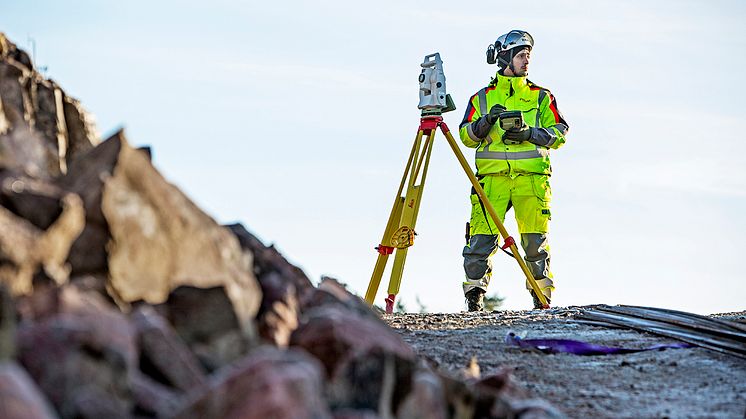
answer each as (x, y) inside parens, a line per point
(334, 335)
(267, 260)
(80, 355)
(375, 379)
(331, 293)
(427, 399)
(269, 383)
(163, 355)
(355, 414)
(26, 250)
(14, 78)
(153, 399)
(7, 325)
(20, 398)
(36, 108)
(82, 134)
(38, 201)
(22, 150)
(88, 254)
(205, 320)
(278, 313)
(29, 103)
(48, 117)
(10, 50)
(159, 239)
(498, 395)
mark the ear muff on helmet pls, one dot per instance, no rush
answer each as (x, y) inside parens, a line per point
(491, 55)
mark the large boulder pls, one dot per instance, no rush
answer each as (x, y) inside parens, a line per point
(154, 238)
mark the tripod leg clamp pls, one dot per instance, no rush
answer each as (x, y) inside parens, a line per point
(384, 250)
(508, 242)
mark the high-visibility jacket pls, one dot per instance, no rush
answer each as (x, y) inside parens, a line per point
(539, 109)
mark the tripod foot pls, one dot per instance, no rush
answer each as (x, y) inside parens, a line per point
(390, 303)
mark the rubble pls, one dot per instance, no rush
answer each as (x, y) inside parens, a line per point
(120, 298)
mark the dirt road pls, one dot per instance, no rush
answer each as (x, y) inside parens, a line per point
(691, 382)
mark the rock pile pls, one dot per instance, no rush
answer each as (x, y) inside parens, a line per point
(120, 298)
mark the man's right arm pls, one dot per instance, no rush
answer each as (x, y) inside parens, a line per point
(474, 127)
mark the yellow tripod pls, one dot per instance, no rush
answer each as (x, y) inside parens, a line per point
(399, 233)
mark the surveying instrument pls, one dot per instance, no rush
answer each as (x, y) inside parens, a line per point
(399, 233)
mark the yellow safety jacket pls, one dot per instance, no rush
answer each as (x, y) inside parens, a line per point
(539, 109)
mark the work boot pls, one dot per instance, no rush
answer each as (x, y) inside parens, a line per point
(475, 299)
(537, 302)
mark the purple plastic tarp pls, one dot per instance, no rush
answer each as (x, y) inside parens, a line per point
(553, 346)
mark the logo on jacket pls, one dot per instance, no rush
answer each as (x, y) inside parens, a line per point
(524, 100)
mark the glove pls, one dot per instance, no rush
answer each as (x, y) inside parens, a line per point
(494, 114)
(515, 136)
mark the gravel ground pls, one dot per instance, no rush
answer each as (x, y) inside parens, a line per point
(691, 382)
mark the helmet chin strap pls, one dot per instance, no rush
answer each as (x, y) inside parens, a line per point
(512, 68)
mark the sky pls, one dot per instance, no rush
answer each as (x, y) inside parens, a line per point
(296, 119)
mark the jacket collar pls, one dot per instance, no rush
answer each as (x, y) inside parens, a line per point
(504, 83)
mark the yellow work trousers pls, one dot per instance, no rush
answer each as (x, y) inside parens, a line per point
(529, 195)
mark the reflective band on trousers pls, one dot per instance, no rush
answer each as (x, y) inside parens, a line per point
(513, 155)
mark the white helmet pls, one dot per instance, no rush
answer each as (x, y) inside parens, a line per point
(505, 43)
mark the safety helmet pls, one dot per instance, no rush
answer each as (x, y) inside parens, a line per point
(502, 49)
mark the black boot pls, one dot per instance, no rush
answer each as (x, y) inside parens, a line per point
(475, 299)
(537, 302)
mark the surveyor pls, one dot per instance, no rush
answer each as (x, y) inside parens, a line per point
(512, 164)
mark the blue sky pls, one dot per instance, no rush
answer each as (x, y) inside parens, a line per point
(295, 118)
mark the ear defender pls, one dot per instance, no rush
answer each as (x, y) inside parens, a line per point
(491, 55)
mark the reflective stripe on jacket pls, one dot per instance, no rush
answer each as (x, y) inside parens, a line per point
(539, 109)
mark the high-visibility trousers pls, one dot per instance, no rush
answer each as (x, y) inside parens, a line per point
(530, 196)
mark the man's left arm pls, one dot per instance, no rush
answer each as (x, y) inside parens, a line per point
(553, 129)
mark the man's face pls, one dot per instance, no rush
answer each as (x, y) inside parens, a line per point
(521, 61)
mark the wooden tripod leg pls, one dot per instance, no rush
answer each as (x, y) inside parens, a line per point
(410, 211)
(392, 224)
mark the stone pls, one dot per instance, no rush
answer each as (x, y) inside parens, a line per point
(153, 399)
(163, 355)
(278, 314)
(427, 398)
(159, 239)
(374, 379)
(36, 200)
(268, 383)
(79, 354)
(20, 398)
(267, 260)
(498, 395)
(82, 134)
(334, 335)
(205, 320)
(30, 103)
(26, 250)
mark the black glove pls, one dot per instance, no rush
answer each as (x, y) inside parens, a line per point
(517, 135)
(494, 114)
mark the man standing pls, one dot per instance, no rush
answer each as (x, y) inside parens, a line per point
(512, 165)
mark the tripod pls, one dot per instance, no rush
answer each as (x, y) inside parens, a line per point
(399, 234)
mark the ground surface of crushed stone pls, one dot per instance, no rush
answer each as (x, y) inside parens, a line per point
(691, 382)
